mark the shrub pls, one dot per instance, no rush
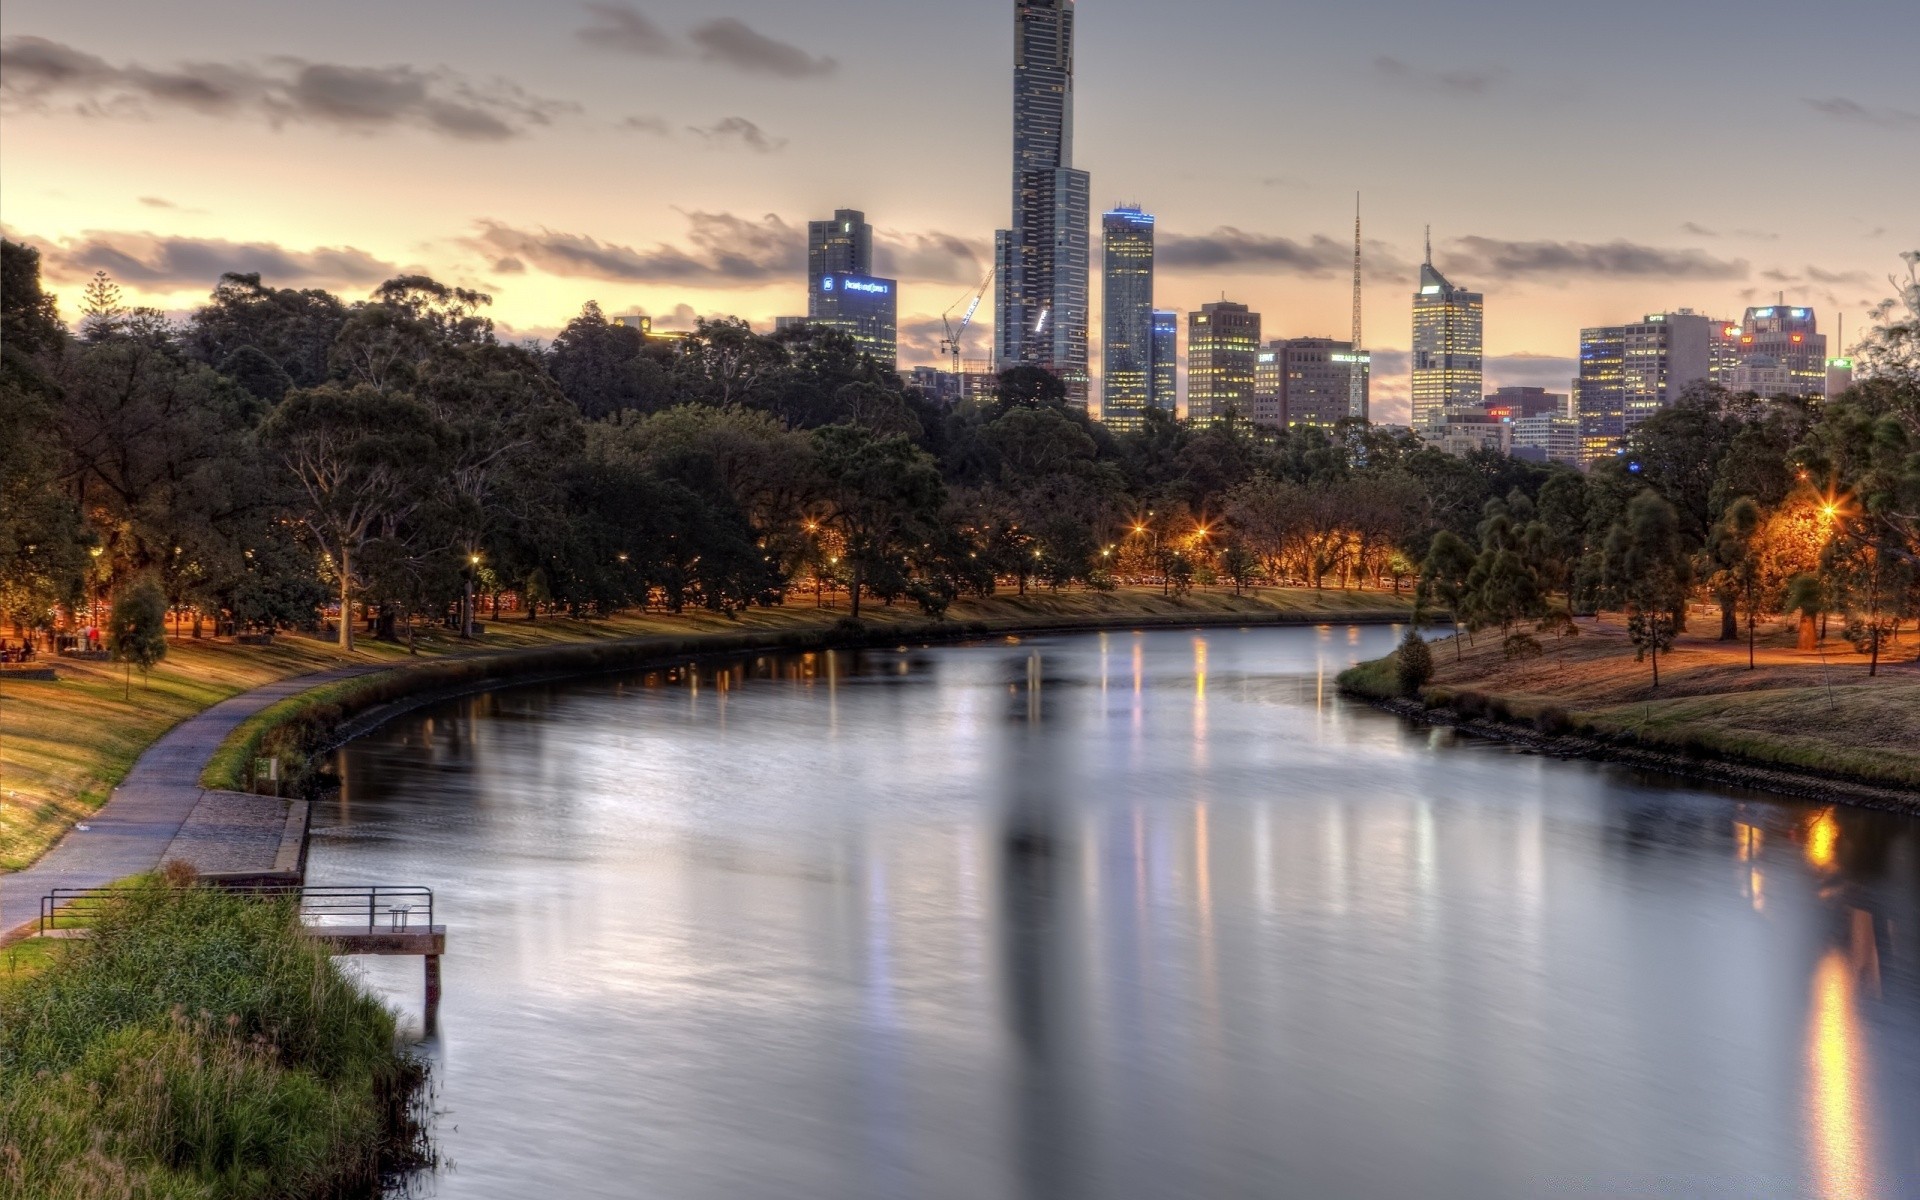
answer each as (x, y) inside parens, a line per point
(1413, 663)
(1523, 645)
(1553, 721)
(1470, 704)
(1499, 709)
(197, 1045)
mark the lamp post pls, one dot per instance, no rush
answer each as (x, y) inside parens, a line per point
(466, 605)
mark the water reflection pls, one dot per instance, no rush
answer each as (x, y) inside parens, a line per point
(1131, 915)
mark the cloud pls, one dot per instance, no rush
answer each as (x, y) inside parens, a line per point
(1258, 253)
(39, 75)
(625, 28)
(654, 125)
(157, 202)
(157, 262)
(727, 41)
(1697, 230)
(1550, 371)
(728, 251)
(1494, 258)
(1461, 83)
(933, 256)
(1852, 111)
(733, 43)
(737, 131)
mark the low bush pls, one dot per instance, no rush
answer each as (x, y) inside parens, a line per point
(198, 1045)
(1553, 720)
(1470, 704)
(1499, 709)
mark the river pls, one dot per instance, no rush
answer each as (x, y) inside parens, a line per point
(1130, 915)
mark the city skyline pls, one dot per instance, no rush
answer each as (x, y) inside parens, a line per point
(659, 159)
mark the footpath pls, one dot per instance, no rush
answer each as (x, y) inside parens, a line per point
(134, 831)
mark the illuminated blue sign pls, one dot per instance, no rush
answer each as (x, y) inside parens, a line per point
(856, 283)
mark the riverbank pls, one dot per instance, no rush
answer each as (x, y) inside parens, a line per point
(1809, 723)
(196, 1043)
(64, 746)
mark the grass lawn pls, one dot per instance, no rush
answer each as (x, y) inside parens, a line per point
(24, 959)
(1819, 711)
(65, 745)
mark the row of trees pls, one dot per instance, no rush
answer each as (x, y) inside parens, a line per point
(281, 453)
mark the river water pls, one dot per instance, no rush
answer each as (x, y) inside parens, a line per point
(1121, 915)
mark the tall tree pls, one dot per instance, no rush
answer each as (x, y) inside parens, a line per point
(1648, 569)
(882, 495)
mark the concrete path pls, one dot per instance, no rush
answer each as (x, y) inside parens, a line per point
(132, 831)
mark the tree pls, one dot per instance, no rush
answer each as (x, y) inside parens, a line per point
(137, 628)
(356, 454)
(881, 494)
(1806, 598)
(1872, 582)
(1647, 568)
(1734, 554)
(1028, 386)
(1443, 579)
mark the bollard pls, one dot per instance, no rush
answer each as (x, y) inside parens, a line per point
(433, 982)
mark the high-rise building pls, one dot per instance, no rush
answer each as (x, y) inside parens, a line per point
(1630, 372)
(863, 307)
(1223, 351)
(1310, 381)
(1041, 306)
(1782, 353)
(1447, 348)
(1164, 375)
(844, 245)
(1126, 343)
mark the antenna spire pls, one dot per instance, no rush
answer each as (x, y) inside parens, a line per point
(1429, 245)
(1356, 400)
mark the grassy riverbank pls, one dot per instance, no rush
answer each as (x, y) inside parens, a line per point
(65, 745)
(196, 1045)
(1818, 712)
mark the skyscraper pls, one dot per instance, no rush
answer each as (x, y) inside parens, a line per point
(1223, 351)
(1041, 306)
(1309, 381)
(1782, 353)
(1164, 377)
(1630, 372)
(1126, 344)
(843, 293)
(844, 244)
(1446, 348)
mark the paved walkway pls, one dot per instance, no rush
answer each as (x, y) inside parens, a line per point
(132, 831)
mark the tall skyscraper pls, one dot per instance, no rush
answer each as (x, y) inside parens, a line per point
(1126, 344)
(1041, 306)
(1223, 352)
(844, 244)
(1164, 375)
(1447, 348)
(1630, 372)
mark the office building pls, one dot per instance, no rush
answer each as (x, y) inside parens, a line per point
(1782, 353)
(1545, 437)
(1839, 376)
(1518, 403)
(1126, 343)
(1164, 377)
(842, 246)
(1630, 372)
(1223, 351)
(863, 307)
(1447, 348)
(1310, 381)
(1040, 313)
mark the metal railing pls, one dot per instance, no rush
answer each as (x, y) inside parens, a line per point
(374, 907)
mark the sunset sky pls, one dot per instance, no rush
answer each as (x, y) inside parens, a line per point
(1580, 164)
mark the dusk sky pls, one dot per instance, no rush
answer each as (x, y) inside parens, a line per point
(1580, 164)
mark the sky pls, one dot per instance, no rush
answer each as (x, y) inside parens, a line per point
(1579, 164)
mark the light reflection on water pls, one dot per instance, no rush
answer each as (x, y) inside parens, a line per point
(1123, 915)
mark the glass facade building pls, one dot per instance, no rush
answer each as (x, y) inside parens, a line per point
(843, 244)
(1310, 381)
(864, 307)
(1223, 354)
(1126, 343)
(1041, 303)
(1630, 372)
(1164, 378)
(1447, 349)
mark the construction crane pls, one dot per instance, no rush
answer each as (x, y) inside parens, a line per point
(950, 344)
